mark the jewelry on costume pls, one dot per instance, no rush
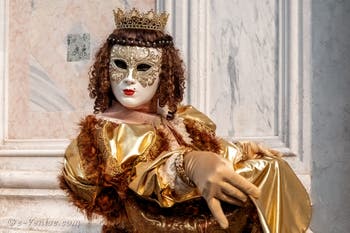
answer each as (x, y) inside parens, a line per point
(170, 115)
(134, 19)
(162, 42)
(133, 58)
(179, 165)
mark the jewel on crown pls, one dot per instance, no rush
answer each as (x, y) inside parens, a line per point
(134, 19)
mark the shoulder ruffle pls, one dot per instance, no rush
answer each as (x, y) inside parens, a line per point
(90, 154)
(191, 113)
(200, 128)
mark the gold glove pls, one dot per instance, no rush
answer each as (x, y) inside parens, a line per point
(216, 180)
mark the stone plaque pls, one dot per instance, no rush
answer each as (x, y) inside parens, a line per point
(78, 47)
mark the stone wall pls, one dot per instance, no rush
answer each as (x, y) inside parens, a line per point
(331, 116)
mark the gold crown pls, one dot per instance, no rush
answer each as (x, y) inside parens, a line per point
(137, 20)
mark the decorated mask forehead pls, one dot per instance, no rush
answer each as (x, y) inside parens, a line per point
(134, 54)
(143, 63)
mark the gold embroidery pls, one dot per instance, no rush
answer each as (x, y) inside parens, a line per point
(132, 58)
(106, 132)
(203, 137)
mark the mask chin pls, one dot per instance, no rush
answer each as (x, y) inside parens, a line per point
(143, 100)
(131, 105)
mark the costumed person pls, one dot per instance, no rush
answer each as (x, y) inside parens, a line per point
(147, 164)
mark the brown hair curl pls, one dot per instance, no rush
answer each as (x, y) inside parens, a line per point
(172, 81)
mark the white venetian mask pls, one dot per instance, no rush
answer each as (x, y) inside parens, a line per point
(134, 74)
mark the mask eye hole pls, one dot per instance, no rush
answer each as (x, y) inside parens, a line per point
(143, 67)
(120, 64)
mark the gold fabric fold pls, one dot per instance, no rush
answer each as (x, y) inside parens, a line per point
(125, 142)
(189, 112)
(284, 205)
(74, 174)
(148, 182)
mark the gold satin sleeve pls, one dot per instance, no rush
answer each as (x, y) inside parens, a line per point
(74, 174)
(133, 141)
(148, 182)
(119, 145)
(189, 112)
(284, 204)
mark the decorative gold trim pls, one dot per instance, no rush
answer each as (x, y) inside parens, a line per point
(134, 19)
(180, 171)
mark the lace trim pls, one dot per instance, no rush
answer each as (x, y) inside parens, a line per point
(168, 171)
(179, 165)
(179, 125)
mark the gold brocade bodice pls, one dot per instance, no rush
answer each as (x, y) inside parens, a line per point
(138, 156)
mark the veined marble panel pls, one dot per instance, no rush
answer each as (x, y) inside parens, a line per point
(44, 94)
(47, 94)
(243, 67)
(242, 89)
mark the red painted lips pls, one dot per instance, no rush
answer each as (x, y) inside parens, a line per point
(128, 92)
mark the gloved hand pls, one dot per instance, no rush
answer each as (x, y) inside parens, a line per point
(216, 180)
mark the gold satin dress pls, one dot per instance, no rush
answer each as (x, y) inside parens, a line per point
(283, 207)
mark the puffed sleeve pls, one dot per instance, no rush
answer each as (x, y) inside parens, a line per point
(80, 185)
(284, 204)
(152, 182)
(121, 157)
(73, 174)
(83, 175)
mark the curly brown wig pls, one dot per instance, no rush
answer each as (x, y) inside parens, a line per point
(172, 81)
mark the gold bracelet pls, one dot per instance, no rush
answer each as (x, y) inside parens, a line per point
(180, 171)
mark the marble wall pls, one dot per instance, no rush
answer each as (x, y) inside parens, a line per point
(46, 48)
(243, 77)
(47, 84)
(243, 72)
